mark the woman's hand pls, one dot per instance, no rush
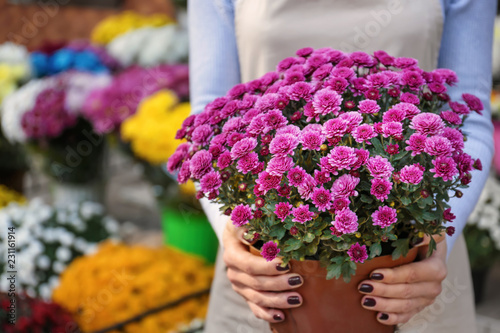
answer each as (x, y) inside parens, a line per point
(397, 294)
(265, 285)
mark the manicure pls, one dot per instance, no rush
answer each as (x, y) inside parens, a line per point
(377, 276)
(294, 280)
(383, 316)
(366, 288)
(281, 268)
(369, 302)
(277, 317)
(293, 300)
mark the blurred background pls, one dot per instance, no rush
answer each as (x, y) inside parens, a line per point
(92, 94)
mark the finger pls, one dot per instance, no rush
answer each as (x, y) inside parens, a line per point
(264, 299)
(263, 282)
(392, 319)
(393, 305)
(403, 290)
(269, 315)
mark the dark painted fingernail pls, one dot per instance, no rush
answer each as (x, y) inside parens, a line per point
(281, 268)
(370, 302)
(377, 276)
(383, 316)
(293, 300)
(366, 288)
(277, 317)
(294, 280)
(417, 241)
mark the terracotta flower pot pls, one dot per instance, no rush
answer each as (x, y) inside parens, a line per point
(333, 305)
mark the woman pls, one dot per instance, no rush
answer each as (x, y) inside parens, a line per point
(235, 41)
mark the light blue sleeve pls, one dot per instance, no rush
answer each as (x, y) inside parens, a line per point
(214, 65)
(466, 48)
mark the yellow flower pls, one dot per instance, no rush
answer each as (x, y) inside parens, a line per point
(151, 130)
(113, 26)
(7, 196)
(120, 281)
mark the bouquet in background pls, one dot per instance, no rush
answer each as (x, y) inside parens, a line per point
(48, 240)
(335, 157)
(108, 107)
(34, 315)
(141, 278)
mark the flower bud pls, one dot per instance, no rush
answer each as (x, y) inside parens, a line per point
(242, 187)
(425, 194)
(450, 231)
(294, 231)
(228, 211)
(459, 194)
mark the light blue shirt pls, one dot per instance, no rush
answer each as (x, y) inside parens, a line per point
(466, 48)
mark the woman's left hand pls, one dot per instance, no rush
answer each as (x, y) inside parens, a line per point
(397, 294)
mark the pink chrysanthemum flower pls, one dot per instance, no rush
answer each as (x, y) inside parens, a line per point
(346, 221)
(327, 101)
(302, 214)
(277, 166)
(299, 90)
(288, 129)
(392, 149)
(392, 128)
(201, 164)
(464, 161)
(342, 157)
(451, 117)
(241, 215)
(338, 84)
(448, 215)
(282, 210)
(345, 186)
(248, 163)
(427, 124)
(322, 199)
(394, 114)
(296, 176)
(444, 167)
(283, 145)
(455, 136)
(335, 127)
(270, 251)
(224, 160)
(184, 173)
(384, 216)
(438, 146)
(216, 150)
(339, 204)
(322, 177)
(358, 253)
(243, 147)
(202, 134)
(381, 188)
(459, 108)
(266, 182)
(473, 103)
(368, 106)
(413, 79)
(416, 144)
(411, 174)
(362, 156)
(306, 189)
(379, 167)
(233, 125)
(312, 140)
(364, 133)
(211, 182)
(275, 119)
(353, 118)
(410, 98)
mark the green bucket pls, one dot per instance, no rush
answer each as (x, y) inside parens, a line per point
(189, 230)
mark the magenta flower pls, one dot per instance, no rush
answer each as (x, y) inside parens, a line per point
(358, 253)
(364, 133)
(184, 173)
(345, 186)
(298, 91)
(269, 251)
(288, 129)
(353, 118)
(464, 161)
(427, 123)
(459, 108)
(448, 215)
(416, 144)
(201, 164)
(322, 177)
(302, 214)
(340, 203)
(381, 188)
(275, 119)
(248, 163)
(211, 182)
(297, 176)
(282, 210)
(444, 167)
(392, 128)
(342, 157)
(384, 216)
(410, 98)
(277, 166)
(438, 146)
(411, 174)
(362, 156)
(346, 221)
(322, 199)
(224, 160)
(335, 127)
(412, 79)
(243, 147)
(473, 103)
(456, 138)
(283, 145)
(241, 215)
(201, 135)
(368, 106)
(392, 149)
(327, 101)
(451, 117)
(379, 167)
(306, 189)
(394, 114)
(403, 62)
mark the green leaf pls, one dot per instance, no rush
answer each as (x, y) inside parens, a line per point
(366, 199)
(277, 231)
(400, 156)
(375, 250)
(432, 247)
(309, 237)
(364, 186)
(378, 146)
(430, 215)
(402, 246)
(292, 245)
(405, 200)
(334, 271)
(348, 271)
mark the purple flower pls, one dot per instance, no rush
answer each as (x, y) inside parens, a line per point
(394, 114)
(338, 84)
(201, 164)
(378, 80)
(277, 166)
(438, 146)
(184, 173)
(266, 181)
(416, 144)
(243, 147)
(364, 133)
(384, 216)
(392, 128)
(257, 125)
(448, 215)
(427, 124)
(362, 59)
(473, 103)
(297, 176)
(411, 174)
(340, 203)
(302, 214)
(412, 79)
(288, 129)
(305, 190)
(283, 145)
(346, 221)
(368, 106)
(353, 119)
(322, 177)
(275, 119)
(269, 251)
(224, 160)
(459, 108)
(299, 90)
(362, 156)
(282, 210)
(345, 186)
(211, 182)
(381, 188)
(404, 63)
(241, 215)
(464, 161)
(335, 127)
(410, 98)
(248, 163)
(322, 199)
(384, 58)
(358, 253)
(342, 157)
(455, 136)
(444, 167)
(451, 117)
(327, 101)
(235, 124)
(379, 167)
(237, 91)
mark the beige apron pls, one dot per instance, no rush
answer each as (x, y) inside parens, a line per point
(270, 30)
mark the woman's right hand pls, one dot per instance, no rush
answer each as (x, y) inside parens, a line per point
(266, 286)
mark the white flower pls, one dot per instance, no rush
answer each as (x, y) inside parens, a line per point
(43, 262)
(89, 209)
(14, 53)
(63, 254)
(111, 225)
(45, 291)
(80, 85)
(80, 245)
(66, 238)
(53, 282)
(58, 267)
